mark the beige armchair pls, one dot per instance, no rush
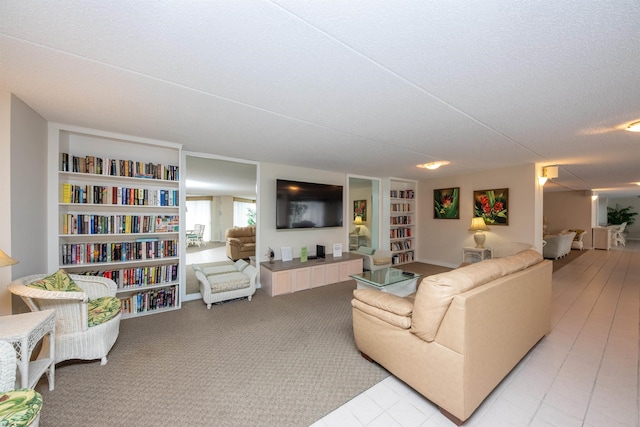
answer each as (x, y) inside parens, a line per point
(240, 242)
(75, 338)
(374, 259)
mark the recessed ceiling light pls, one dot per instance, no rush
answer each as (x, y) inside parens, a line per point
(433, 165)
(634, 127)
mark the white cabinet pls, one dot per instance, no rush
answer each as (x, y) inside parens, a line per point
(292, 276)
(601, 238)
(402, 220)
(117, 214)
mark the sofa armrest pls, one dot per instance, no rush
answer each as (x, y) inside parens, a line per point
(251, 272)
(234, 241)
(389, 308)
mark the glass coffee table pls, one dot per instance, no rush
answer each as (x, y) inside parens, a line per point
(390, 280)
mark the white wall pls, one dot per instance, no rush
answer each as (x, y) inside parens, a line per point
(23, 142)
(275, 239)
(440, 241)
(569, 210)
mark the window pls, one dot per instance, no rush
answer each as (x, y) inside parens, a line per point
(199, 212)
(244, 213)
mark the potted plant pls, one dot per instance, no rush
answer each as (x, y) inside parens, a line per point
(618, 215)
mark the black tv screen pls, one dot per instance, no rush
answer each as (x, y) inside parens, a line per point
(307, 205)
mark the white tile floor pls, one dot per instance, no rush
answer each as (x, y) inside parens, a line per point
(584, 373)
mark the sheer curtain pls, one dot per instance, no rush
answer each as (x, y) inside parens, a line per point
(199, 212)
(243, 213)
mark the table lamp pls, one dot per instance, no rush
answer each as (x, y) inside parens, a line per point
(6, 260)
(478, 225)
(358, 222)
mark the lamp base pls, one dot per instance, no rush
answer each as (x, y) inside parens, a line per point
(479, 237)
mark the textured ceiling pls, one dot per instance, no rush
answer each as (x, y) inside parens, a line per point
(370, 88)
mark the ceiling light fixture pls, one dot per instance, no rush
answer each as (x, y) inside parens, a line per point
(634, 127)
(433, 165)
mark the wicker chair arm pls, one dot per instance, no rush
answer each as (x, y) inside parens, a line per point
(27, 292)
(95, 286)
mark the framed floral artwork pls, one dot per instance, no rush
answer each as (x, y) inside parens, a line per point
(445, 203)
(492, 206)
(360, 209)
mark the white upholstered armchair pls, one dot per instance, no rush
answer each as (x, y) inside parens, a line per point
(374, 259)
(75, 338)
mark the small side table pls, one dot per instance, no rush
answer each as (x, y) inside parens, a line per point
(24, 331)
(472, 255)
(357, 240)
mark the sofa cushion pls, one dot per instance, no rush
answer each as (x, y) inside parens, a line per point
(218, 269)
(436, 292)
(228, 281)
(103, 309)
(59, 281)
(381, 260)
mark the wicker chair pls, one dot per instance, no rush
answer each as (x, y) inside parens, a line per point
(17, 407)
(74, 338)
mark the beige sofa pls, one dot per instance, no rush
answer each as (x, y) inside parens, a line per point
(240, 242)
(462, 332)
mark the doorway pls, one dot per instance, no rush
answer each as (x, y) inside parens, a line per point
(364, 212)
(215, 188)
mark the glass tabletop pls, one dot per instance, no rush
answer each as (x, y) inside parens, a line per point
(384, 277)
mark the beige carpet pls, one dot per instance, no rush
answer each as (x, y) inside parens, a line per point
(285, 361)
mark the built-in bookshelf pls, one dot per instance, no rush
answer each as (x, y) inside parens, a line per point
(402, 218)
(117, 214)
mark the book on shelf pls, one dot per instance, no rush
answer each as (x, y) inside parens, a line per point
(114, 167)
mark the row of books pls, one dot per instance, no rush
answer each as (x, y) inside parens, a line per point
(115, 167)
(402, 246)
(155, 299)
(402, 258)
(401, 220)
(400, 233)
(139, 276)
(88, 253)
(105, 195)
(403, 194)
(118, 224)
(401, 207)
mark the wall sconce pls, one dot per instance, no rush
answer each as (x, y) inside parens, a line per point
(358, 222)
(548, 172)
(478, 225)
(6, 260)
(634, 127)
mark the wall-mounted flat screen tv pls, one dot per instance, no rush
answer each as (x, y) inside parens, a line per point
(307, 205)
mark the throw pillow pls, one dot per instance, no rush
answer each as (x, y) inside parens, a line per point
(58, 281)
(241, 265)
(102, 309)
